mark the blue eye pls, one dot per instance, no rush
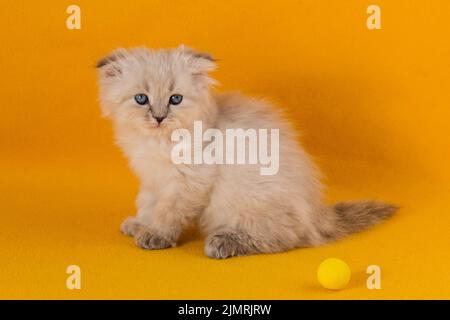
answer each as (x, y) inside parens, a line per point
(175, 99)
(141, 99)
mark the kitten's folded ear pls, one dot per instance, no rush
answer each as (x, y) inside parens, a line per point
(200, 62)
(109, 66)
(110, 71)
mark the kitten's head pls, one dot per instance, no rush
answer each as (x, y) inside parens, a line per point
(156, 91)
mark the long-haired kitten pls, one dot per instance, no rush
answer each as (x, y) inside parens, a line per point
(150, 93)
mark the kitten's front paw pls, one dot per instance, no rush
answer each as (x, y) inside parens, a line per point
(224, 245)
(130, 226)
(148, 239)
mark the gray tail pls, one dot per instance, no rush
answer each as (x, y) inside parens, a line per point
(353, 216)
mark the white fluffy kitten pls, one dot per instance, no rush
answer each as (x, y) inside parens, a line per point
(148, 94)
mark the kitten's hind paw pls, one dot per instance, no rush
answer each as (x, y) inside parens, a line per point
(223, 245)
(130, 226)
(148, 239)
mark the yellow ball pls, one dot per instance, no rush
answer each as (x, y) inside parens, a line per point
(333, 274)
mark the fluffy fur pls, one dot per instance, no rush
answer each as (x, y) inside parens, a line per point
(240, 211)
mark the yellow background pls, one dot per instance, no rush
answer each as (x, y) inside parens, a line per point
(373, 107)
